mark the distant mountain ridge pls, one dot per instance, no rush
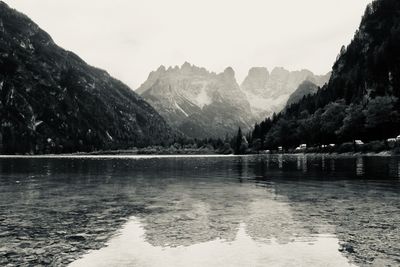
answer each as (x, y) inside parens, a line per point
(204, 104)
(51, 101)
(268, 92)
(197, 102)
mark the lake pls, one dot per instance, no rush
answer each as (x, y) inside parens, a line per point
(262, 210)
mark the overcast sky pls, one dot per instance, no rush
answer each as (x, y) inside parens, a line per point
(130, 38)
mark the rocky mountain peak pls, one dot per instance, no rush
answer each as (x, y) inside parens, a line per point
(197, 102)
(186, 66)
(156, 74)
(279, 71)
(161, 69)
(269, 92)
(187, 96)
(229, 74)
(256, 79)
(258, 72)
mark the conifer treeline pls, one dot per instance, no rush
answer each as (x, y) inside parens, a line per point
(361, 100)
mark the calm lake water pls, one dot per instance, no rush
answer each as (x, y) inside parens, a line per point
(270, 210)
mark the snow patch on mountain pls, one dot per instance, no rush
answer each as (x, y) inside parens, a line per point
(202, 99)
(181, 109)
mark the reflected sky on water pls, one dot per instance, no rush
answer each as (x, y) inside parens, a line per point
(61, 208)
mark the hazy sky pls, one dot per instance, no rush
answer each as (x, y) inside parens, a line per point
(130, 38)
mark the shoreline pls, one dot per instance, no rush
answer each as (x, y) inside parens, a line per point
(129, 154)
(133, 156)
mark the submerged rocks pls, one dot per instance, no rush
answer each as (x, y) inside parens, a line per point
(346, 247)
(77, 237)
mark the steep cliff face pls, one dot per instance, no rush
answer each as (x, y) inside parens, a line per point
(269, 92)
(197, 102)
(52, 101)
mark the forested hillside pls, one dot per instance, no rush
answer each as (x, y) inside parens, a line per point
(51, 101)
(361, 100)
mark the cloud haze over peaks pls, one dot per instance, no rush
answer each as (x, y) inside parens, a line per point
(130, 38)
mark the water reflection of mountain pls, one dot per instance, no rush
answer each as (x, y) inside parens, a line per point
(208, 203)
(187, 201)
(129, 248)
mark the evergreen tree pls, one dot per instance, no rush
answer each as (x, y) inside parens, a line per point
(238, 142)
(353, 124)
(361, 99)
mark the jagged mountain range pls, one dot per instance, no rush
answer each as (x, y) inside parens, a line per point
(197, 102)
(268, 92)
(51, 101)
(203, 104)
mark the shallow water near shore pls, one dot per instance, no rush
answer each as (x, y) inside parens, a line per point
(265, 210)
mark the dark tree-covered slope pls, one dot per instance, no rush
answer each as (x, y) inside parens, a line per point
(361, 100)
(51, 101)
(305, 88)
